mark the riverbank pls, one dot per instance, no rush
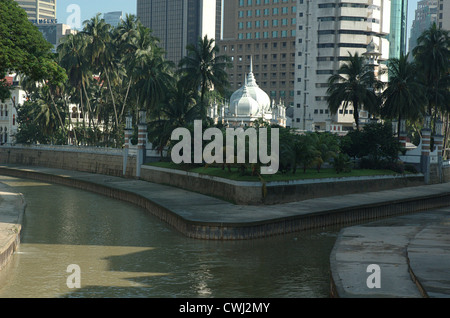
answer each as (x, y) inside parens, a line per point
(202, 217)
(12, 208)
(417, 244)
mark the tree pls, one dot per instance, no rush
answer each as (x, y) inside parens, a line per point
(354, 84)
(179, 109)
(327, 146)
(306, 152)
(103, 55)
(73, 58)
(404, 97)
(23, 49)
(203, 68)
(432, 54)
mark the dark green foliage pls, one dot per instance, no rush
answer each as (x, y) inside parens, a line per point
(23, 48)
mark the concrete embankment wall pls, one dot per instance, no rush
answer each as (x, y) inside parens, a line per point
(446, 173)
(110, 162)
(339, 214)
(253, 193)
(92, 160)
(12, 208)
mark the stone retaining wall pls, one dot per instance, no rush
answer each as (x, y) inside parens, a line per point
(92, 160)
(446, 173)
(252, 193)
(10, 224)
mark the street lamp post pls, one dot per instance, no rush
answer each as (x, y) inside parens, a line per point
(128, 133)
(142, 141)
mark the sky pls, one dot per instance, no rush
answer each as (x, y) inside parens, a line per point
(89, 8)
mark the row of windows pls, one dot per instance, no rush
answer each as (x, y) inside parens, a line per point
(257, 46)
(332, 45)
(343, 5)
(3, 111)
(266, 35)
(259, 2)
(266, 12)
(264, 57)
(354, 19)
(352, 32)
(267, 23)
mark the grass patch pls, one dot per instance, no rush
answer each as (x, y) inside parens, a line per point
(299, 175)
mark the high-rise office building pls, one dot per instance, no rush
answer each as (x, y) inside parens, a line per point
(262, 31)
(397, 35)
(327, 31)
(425, 15)
(178, 23)
(113, 18)
(39, 11)
(444, 14)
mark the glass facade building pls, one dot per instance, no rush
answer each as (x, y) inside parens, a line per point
(397, 35)
(178, 23)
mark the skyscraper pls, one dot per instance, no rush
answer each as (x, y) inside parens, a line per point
(426, 14)
(327, 31)
(262, 31)
(397, 35)
(39, 11)
(113, 18)
(178, 23)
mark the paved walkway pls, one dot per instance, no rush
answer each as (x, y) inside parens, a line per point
(424, 238)
(412, 252)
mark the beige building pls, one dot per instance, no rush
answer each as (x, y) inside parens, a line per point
(326, 32)
(39, 11)
(262, 30)
(444, 14)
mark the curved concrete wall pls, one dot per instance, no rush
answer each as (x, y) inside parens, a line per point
(12, 208)
(251, 193)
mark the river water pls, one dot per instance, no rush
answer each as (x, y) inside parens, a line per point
(123, 251)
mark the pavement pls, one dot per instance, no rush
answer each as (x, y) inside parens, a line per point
(411, 251)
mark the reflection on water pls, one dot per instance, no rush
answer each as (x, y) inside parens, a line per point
(123, 251)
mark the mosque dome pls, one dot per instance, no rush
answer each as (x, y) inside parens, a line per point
(256, 93)
(245, 105)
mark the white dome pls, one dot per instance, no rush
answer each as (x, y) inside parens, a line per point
(254, 92)
(245, 105)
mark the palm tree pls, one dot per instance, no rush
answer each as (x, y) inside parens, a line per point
(203, 69)
(404, 97)
(102, 54)
(178, 110)
(433, 57)
(72, 57)
(354, 84)
(154, 81)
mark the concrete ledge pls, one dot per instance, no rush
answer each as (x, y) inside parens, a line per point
(251, 193)
(12, 209)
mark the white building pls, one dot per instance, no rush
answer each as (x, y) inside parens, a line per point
(8, 111)
(327, 30)
(247, 105)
